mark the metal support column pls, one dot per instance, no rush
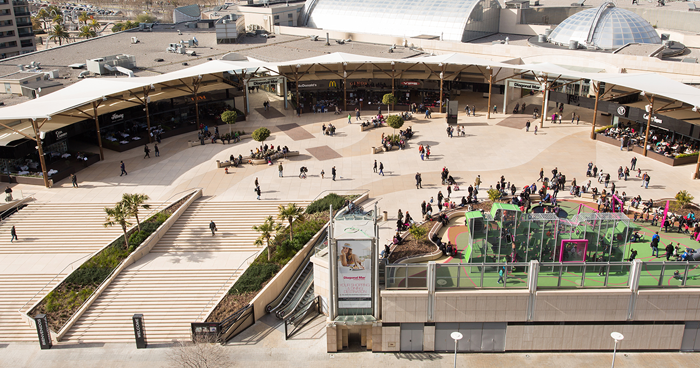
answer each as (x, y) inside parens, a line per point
(488, 107)
(37, 134)
(97, 126)
(650, 112)
(596, 87)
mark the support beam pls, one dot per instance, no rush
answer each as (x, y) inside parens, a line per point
(442, 75)
(97, 126)
(146, 89)
(345, 88)
(37, 134)
(545, 89)
(488, 106)
(596, 87)
(651, 112)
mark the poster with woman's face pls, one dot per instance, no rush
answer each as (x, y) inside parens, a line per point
(354, 273)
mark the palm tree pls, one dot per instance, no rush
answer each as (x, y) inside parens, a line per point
(290, 213)
(58, 19)
(266, 229)
(83, 18)
(132, 203)
(87, 32)
(58, 33)
(44, 16)
(94, 25)
(118, 216)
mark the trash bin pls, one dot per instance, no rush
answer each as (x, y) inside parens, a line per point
(385, 216)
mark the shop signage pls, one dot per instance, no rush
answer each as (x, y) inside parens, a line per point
(354, 273)
(332, 84)
(654, 119)
(139, 332)
(410, 83)
(209, 330)
(60, 134)
(42, 328)
(308, 85)
(116, 117)
(525, 85)
(621, 110)
(263, 81)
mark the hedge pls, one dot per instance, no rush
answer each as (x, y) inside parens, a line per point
(323, 204)
(253, 278)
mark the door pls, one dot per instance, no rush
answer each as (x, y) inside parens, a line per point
(477, 337)
(691, 337)
(493, 336)
(443, 341)
(411, 337)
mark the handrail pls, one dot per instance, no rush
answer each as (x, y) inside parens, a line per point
(18, 203)
(100, 250)
(344, 190)
(229, 279)
(290, 284)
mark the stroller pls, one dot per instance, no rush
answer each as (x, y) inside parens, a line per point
(302, 172)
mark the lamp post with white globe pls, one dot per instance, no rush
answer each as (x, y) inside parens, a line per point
(456, 336)
(617, 337)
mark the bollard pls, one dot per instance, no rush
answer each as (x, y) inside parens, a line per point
(385, 216)
(42, 328)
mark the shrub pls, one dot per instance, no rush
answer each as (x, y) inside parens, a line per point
(389, 99)
(322, 204)
(418, 232)
(601, 130)
(89, 275)
(684, 198)
(253, 278)
(494, 194)
(394, 121)
(261, 134)
(687, 155)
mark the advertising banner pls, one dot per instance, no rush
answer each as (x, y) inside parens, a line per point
(354, 273)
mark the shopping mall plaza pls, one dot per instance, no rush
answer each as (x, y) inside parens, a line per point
(600, 85)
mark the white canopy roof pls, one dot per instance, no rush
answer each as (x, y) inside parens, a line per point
(81, 95)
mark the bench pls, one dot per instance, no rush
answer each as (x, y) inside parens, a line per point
(692, 7)
(261, 161)
(371, 126)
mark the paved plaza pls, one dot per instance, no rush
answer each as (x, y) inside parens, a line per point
(491, 148)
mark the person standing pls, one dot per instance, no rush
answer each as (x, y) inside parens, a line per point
(381, 169)
(147, 151)
(157, 151)
(121, 165)
(357, 113)
(419, 181)
(541, 174)
(536, 129)
(633, 163)
(477, 182)
(349, 119)
(74, 180)
(257, 191)
(333, 172)
(527, 126)
(280, 169)
(323, 174)
(577, 118)
(212, 227)
(374, 168)
(669, 250)
(13, 232)
(423, 208)
(655, 240)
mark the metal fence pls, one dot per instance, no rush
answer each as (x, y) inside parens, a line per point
(559, 275)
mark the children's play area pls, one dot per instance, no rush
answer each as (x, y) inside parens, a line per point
(575, 245)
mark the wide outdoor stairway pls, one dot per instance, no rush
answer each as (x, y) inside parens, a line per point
(53, 238)
(182, 278)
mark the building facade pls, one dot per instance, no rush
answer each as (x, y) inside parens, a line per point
(16, 34)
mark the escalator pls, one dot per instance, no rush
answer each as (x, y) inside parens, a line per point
(304, 284)
(306, 264)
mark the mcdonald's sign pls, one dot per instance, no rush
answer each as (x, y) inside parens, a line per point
(332, 84)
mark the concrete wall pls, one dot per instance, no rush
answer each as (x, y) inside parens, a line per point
(404, 306)
(582, 305)
(669, 19)
(481, 306)
(593, 337)
(510, 24)
(667, 305)
(391, 338)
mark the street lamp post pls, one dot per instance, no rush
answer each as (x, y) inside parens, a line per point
(456, 336)
(617, 337)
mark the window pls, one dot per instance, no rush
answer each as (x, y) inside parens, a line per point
(289, 15)
(277, 17)
(290, 23)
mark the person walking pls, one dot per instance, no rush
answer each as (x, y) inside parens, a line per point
(374, 168)
(527, 126)
(257, 184)
(13, 232)
(147, 151)
(280, 169)
(633, 163)
(257, 191)
(541, 174)
(495, 109)
(419, 181)
(333, 172)
(323, 174)
(349, 119)
(381, 169)
(74, 180)
(477, 182)
(535, 129)
(577, 118)
(357, 113)
(655, 240)
(121, 165)
(669, 250)
(157, 151)
(212, 227)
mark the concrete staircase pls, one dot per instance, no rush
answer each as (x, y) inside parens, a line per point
(178, 279)
(51, 236)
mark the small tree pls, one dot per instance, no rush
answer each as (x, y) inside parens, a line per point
(395, 122)
(58, 33)
(83, 18)
(118, 27)
(261, 134)
(290, 213)
(683, 198)
(118, 216)
(203, 352)
(146, 18)
(494, 194)
(132, 203)
(266, 230)
(389, 99)
(417, 232)
(87, 32)
(229, 117)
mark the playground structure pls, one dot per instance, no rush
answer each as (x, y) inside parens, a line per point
(508, 234)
